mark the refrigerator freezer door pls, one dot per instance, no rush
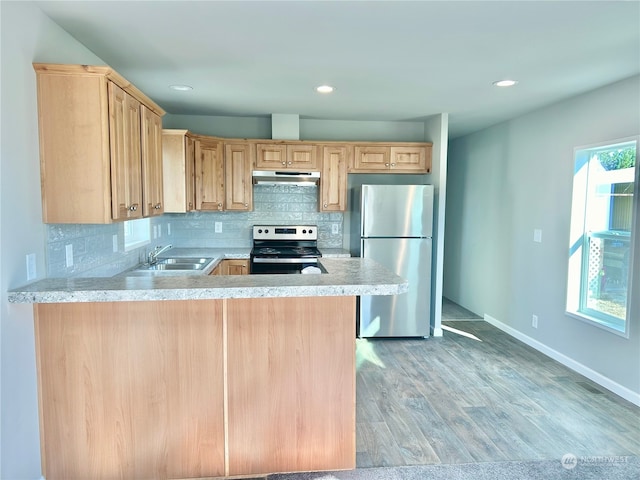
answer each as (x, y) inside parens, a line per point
(408, 314)
(397, 211)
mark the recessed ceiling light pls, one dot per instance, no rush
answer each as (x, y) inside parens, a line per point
(324, 89)
(505, 83)
(181, 88)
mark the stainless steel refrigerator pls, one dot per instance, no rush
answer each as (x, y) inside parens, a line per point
(396, 224)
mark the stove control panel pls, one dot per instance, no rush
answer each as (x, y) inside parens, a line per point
(285, 232)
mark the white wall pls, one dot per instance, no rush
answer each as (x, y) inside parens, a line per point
(510, 179)
(27, 36)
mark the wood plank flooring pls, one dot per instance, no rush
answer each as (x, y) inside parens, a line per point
(479, 395)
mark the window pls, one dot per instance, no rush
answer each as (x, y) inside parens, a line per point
(137, 233)
(603, 213)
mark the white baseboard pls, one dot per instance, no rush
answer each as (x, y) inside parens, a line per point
(598, 378)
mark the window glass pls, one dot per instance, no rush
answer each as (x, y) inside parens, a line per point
(602, 229)
(137, 233)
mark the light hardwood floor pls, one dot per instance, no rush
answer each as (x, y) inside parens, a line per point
(479, 395)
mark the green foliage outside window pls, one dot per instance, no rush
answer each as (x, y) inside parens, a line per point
(618, 159)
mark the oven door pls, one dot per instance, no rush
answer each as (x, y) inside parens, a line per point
(274, 266)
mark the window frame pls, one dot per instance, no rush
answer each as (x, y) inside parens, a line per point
(576, 276)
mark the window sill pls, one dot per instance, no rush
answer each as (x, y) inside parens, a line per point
(598, 323)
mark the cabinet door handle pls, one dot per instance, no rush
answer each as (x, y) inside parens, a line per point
(393, 164)
(289, 163)
(246, 205)
(386, 164)
(157, 206)
(284, 163)
(325, 205)
(133, 207)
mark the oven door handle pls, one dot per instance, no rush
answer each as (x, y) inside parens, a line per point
(285, 260)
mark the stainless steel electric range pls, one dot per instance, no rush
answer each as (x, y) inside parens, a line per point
(285, 249)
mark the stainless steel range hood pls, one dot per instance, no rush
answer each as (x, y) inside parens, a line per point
(263, 177)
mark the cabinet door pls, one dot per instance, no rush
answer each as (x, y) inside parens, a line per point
(411, 159)
(238, 161)
(302, 157)
(209, 175)
(152, 188)
(368, 158)
(178, 171)
(271, 156)
(333, 180)
(126, 168)
(236, 267)
(189, 174)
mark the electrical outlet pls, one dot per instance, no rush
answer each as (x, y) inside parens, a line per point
(31, 266)
(218, 228)
(69, 255)
(115, 242)
(537, 235)
(335, 229)
(534, 321)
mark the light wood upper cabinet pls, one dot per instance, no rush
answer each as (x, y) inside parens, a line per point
(221, 173)
(178, 164)
(238, 164)
(91, 142)
(152, 172)
(299, 156)
(333, 178)
(209, 167)
(392, 158)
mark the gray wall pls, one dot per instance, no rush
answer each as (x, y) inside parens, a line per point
(515, 177)
(26, 36)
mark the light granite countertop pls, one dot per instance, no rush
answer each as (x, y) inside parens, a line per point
(346, 276)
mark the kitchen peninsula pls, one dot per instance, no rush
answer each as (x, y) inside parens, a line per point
(199, 376)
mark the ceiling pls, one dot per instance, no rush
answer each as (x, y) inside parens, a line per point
(388, 60)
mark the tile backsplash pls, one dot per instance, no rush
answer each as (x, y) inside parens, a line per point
(273, 204)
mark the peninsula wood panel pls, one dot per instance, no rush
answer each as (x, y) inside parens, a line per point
(131, 389)
(291, 384)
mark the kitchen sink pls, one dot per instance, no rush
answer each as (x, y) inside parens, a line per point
(183, 260)
(172, 266)
(175, 266)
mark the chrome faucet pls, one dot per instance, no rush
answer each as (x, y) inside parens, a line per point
(153, 254)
